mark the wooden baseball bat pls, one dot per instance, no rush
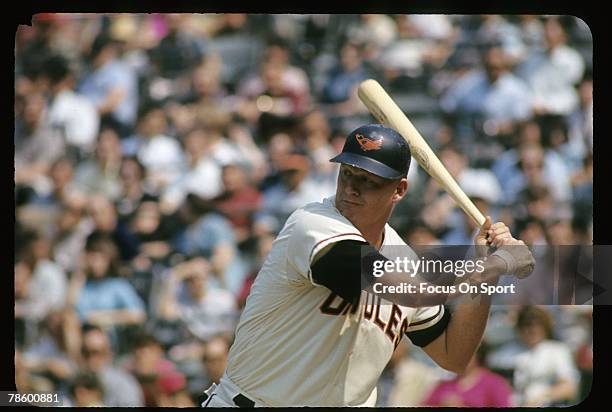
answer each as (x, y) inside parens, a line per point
(384, 109)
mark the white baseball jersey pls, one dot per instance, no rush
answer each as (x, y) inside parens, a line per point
(299, 344)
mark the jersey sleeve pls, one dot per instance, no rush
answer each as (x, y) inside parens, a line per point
(427, 324)
(311, 236)
(339, 269)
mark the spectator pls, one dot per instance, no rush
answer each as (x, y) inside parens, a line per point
(278, 148)
(33, 48)
(72, 228)
(149, 366)
(63, 190)
(214, 357)
(100, 297)
(119, 387)
(111, 85)
(153, 229)
(494, 28)
(442, 214)
(49, 280)
(490, 100)
(206, 86)
(582, 190)
(133, 188)
(535, 168)
(295, 189)
(476, 387)
(539, 203)
(407, 379)
(27, 382)
(262, 248)
(208, 234)
(465, 229)
(179, 51)
(532, 231)
(188, 295)
(215, 123)
(274, 105)
(340, 88)
(422, 43)
(580, 124)
(316, 134)
(201, 167)
(553, 72)
(531, 31)
(160, 154)
(250, 154)
(106, 221)
(560, 232)
(239, 201)
(376, 32)
(87, 391)
(420, 233)
(545, 373)
(40, 286)
(101, 174)
(74, 115)
(24, 319)
(292, 79)
(232, 38)
(173, 391)
(49, 354)
(37, 145)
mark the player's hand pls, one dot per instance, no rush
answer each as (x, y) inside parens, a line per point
(517, 257)
(491, 234)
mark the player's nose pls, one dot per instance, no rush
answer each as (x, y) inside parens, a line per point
(351, 188)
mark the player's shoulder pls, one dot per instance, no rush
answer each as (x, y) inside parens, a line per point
(320, 215)
(392, 237)
(319, 219)
(394, 244)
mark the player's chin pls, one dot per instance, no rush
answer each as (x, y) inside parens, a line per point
(350, 209)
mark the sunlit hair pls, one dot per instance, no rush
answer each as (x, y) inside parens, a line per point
(529, 315)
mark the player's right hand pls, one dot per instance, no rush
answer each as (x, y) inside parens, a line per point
(491, 235)
(517, 257)
(524, 261)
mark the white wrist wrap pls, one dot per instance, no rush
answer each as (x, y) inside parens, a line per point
(508, 258)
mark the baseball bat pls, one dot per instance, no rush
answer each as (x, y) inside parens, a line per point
(384, 109)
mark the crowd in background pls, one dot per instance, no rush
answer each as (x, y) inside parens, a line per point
(158, 155)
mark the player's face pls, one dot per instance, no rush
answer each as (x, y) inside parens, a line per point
(364, 197)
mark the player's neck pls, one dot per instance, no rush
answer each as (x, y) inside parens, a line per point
(375, 235)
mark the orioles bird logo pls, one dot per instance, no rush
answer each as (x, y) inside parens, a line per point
(367, 143)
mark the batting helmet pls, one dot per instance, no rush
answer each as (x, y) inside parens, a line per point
(378, 150)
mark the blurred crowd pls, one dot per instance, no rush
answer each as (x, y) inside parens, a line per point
(158, 155)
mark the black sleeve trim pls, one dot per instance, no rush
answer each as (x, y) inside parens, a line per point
(424, 337)
(340, 269)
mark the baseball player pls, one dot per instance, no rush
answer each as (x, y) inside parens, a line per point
(310, 334)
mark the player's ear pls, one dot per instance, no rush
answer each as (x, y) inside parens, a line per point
(400, 189)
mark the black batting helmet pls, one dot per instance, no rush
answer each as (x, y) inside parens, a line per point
(377, 149)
